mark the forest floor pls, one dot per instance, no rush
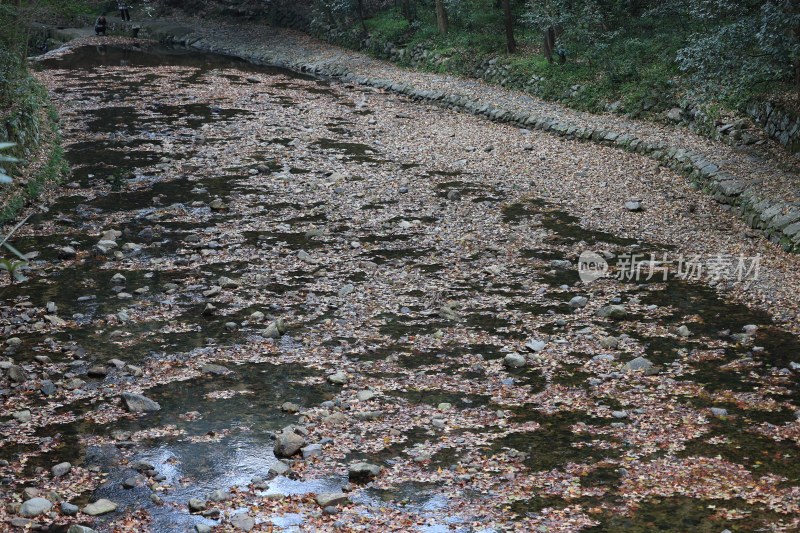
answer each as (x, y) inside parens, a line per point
(307, 275)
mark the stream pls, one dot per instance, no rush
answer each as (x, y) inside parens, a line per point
(255, 249)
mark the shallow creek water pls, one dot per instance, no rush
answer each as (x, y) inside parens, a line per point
(410, 310)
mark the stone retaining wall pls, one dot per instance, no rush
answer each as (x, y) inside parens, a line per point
(779, 124)
(779, 221)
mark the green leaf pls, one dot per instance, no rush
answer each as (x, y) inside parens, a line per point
(3, 146)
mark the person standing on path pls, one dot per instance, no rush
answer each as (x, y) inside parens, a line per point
(124, 10)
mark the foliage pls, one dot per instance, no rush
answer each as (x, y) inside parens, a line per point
(646, 55)
(582, 23)
(13, 268)
(746, 49)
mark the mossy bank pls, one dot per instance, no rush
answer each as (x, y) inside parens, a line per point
(33, 125)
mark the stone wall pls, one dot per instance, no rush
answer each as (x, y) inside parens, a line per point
(779, 124)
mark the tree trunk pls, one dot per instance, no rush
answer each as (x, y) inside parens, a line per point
(549, 43)
(441, 16)
(360, 6)
(797, 77)
(511, 44)
(407, 9)
(797, 65)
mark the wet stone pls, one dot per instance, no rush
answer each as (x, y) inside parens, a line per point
(288, 443)
(61, 469)
(243, 521)
(137, 403)
(360, 472)
(279, 468)
(331, 499)
(101, 506)
(514, 360)
(35, 507)
(69, 509)
(640, 364)
(196, 505)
